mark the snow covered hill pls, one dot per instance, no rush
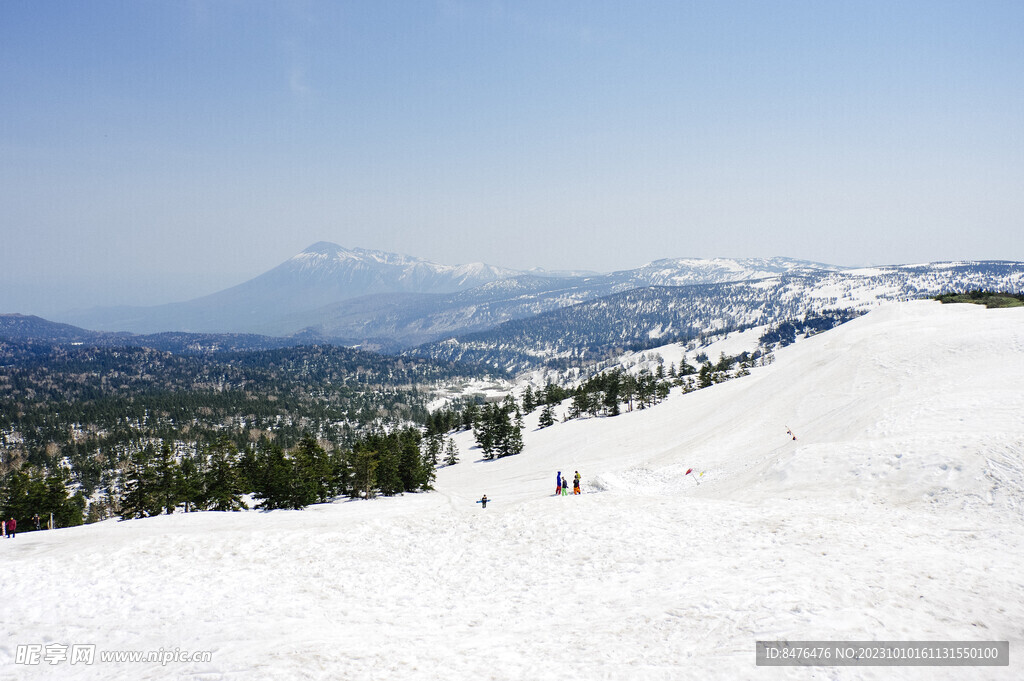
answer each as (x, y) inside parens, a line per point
(690, 271)
(583, 329)
(391, 302)
(322, 274)
(897, 514)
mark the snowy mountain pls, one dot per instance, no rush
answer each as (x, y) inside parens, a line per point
(322, 274)
(689, 271)
(895, 515)
(388, 301)
(648, 316)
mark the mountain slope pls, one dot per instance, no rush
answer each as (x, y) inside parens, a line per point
(322, 274)
(391, 302)
(336, 294)
(642, 316)
(895, 516)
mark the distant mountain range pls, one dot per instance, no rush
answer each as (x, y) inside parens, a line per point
(280, 301)
(33, 329)
(511, 318)
(354, 295)
(649, 316)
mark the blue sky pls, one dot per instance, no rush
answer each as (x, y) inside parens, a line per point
(156, 151)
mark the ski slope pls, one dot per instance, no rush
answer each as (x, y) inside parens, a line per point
(898, 514)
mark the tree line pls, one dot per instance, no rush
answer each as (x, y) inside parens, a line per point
(169, 477)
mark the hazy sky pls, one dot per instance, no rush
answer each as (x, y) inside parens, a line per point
(156, 151)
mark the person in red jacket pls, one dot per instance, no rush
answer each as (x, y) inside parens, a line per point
(12, 526)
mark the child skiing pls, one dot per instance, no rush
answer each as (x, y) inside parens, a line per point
(576, 483)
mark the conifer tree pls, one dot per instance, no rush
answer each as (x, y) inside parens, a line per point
(68, 510)
(315, 473)
(512, 441)
(706, 376)
(364, 471)
(661, 391)
(275, 483)
(223, 485)
(628, 390)
(529, 401)
(485, 430)
(432, 447)
(415, 469)
(451, 456)
(191, 482)
(580, 404)
(165, 479)
(547, 416)
(389, 464)
(137, 499)
(470, 415)
(612, 386)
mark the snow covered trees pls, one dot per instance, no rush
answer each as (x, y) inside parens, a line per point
(499, 430)
(217, 477)
(451, 454)
(547, 416)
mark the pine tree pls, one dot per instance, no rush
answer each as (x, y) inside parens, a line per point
(529, 401)
(612, 386)
(484, 430)
(223, 486)
(706, 376)
(166, 473)
(191, 482)
(415, 470)
(547, 416)
(315, 474)
(451, 454)
(275, 482)
(628, 390)
(512, 442)
(137, 499)
(662, 390)
(470, 415)
(389, 469)
(364, 471)
(433, 445)
(67, 510)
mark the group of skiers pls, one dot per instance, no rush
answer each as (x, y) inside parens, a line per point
(562, 484)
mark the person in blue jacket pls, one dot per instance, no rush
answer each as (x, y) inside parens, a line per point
(558, 483)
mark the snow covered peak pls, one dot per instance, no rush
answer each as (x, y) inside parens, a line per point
(686, 271)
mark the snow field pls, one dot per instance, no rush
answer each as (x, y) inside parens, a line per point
(896, 515)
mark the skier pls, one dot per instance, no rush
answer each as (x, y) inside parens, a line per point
(565, 487)
(576, 483)
(558, 483)
(12, 526)
(483, 501)
(790, 433)
(36, 519)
